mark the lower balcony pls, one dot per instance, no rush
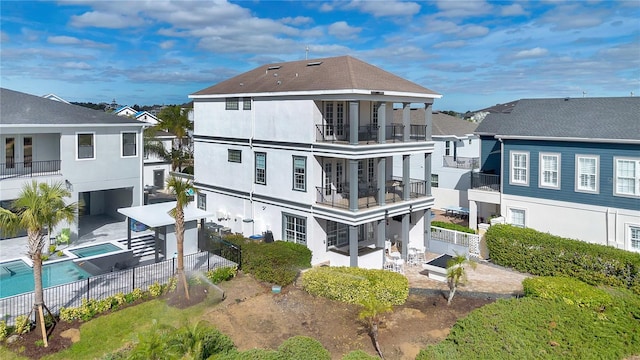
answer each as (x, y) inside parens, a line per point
(460, 162)
(368, 193)
(29, 169)
(486, 182)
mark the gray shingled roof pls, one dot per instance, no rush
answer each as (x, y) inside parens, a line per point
(613, 118)
(336, 73)
(18, 108)
(443, 124)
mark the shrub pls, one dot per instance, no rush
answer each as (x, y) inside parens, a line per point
(536, 328)
(303, 347)
(537, 253)
(278, 262)
(4, 330)
(354, 285)
(450, 226)
(253, 354)
(221, 274)
(569, 290)
(359, 355)
(22, 325)
(156, 289)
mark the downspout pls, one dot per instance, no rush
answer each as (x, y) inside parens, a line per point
(502, 165)
(253, 183)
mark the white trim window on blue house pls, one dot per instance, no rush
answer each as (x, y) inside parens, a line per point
(587, 173)
(634, 237)
(550, 170)
(520, 168)
(627, 176)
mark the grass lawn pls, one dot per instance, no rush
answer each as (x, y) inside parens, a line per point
(111, 332)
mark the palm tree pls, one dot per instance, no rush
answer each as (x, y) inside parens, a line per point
(456, 273)
(373, 309)
(37, 206)
(183, 190)
(176, 121)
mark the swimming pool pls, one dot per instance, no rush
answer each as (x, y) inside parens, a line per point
(94, 250)
(16, 277)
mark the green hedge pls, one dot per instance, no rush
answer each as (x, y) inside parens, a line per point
(278, 262)
(535, 328)
(571, 291)
(359, 355)
(543, 254)
(303, 347)
(353, 285)
(450, 226)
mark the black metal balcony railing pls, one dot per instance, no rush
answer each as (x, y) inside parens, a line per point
(369, 133)
(368, 194)
(461, 162)
(482, 181)
(13, 169)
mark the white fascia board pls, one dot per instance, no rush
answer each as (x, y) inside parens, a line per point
(18, 126)
(319, 93)
(567, 139)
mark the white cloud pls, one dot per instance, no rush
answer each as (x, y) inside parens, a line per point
(105, 20)
(450, 44)
(4, 37)
(512, 10)
(70, 40)
(470, 31)
(531, 53)
(75, 65)
(165, 45)
(342, 30)
(457, 8)
(326, 7)
(298, 20)
(574, 16)
(385, 8)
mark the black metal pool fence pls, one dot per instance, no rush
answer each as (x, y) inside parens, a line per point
(103, 286)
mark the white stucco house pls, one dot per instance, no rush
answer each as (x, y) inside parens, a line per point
(456, 153)
(306, 150)
(98, 156)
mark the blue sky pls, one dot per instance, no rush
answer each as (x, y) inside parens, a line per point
(476, 53)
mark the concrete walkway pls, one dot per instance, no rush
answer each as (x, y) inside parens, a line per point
(486, 278)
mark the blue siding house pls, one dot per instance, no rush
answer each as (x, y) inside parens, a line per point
(570, 167)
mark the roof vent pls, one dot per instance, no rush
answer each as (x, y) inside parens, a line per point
(314, 63)
(566, 99)
(278, 82)
(276, 67)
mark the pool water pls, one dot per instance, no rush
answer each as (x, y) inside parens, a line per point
(94, 250)
(16, 277)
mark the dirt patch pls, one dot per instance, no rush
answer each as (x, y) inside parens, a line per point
(254, 317)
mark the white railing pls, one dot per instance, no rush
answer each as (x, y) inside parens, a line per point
(471, 241)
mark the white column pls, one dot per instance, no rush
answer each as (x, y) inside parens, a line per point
(473, 215)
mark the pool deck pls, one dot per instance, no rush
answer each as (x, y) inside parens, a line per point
(100, 229)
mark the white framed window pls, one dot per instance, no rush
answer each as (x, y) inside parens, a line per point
(85, 146)
(627, 176)
(295, 229)
(261, 168)
(202, 201)
(633, 234)
(246, 103)
(519, 168)
(434, 180)
(129, 144)
(231, 104)
(300, 173)
(517, 217)
(447, 148)
(234, 156)
(549, 171)
(587, 173)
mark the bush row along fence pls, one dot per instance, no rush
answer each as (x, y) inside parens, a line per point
(102, 286)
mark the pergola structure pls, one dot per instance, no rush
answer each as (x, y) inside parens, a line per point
(157, 216)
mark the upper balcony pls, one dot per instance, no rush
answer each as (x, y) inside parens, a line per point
(368, 193)
(461, 162)
(486, 182)
(28, 169)
(370, 134)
